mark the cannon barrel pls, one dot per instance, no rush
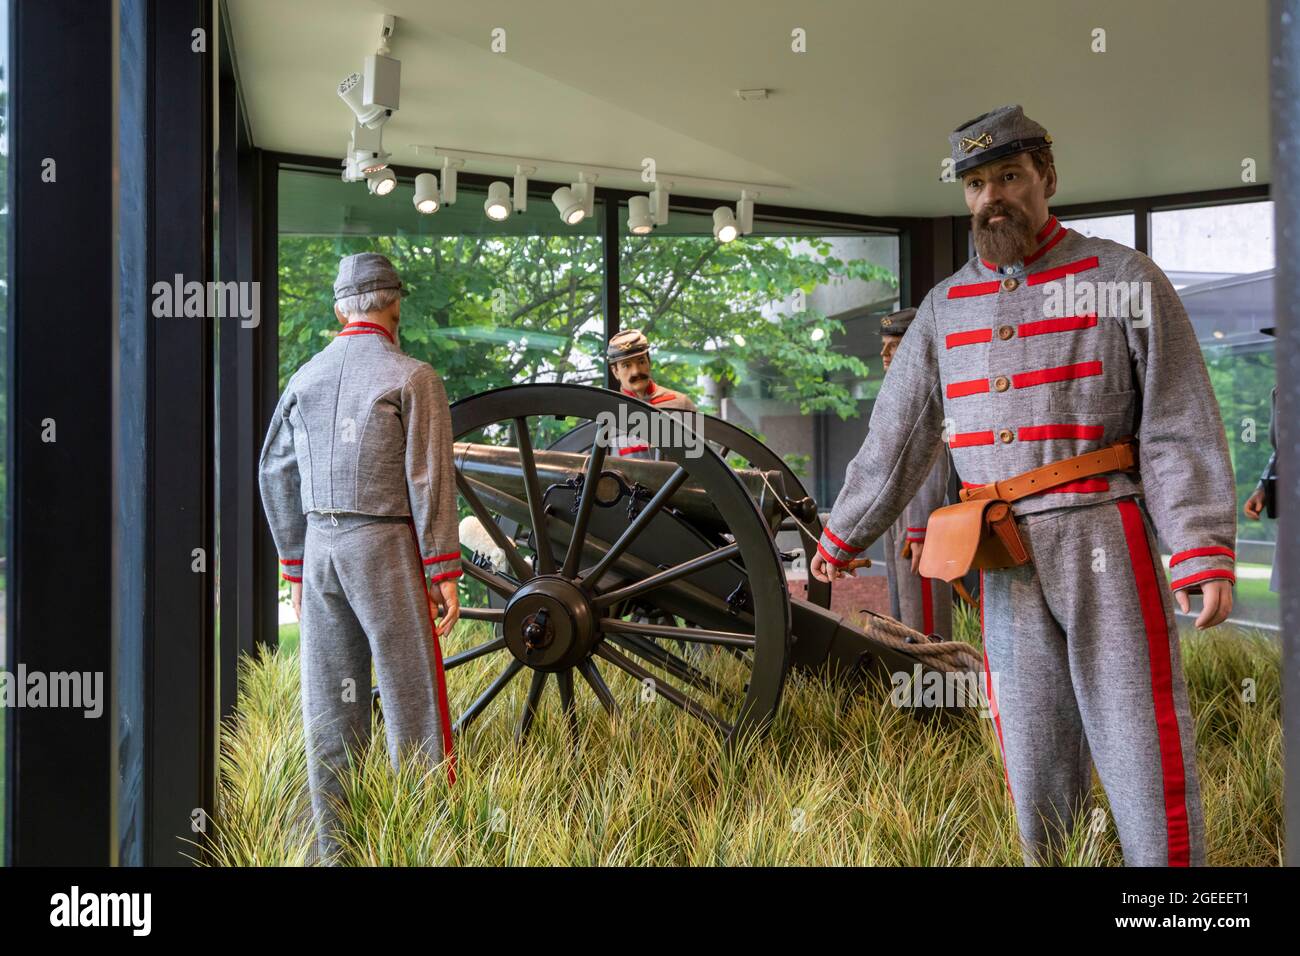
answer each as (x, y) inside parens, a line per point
(498, 466)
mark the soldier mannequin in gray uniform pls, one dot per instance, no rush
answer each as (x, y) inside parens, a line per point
(1016, 375)
(921, 603)
(357, 483)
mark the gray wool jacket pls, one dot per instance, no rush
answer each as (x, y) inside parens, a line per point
(362, 428)
(1015, 371)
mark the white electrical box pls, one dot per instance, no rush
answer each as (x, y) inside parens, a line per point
(383, 81)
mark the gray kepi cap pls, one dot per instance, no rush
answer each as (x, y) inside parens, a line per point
(1004, 131)
(366, 272)
(896, 323)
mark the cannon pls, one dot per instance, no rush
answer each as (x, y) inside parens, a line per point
(662, 568)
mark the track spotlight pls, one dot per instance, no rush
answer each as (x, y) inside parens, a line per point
(426, 193)
(569, 204)
(575, 202)
(449, 167)
(724, 224)
(352, 92)
(381, 182)
(639, 220)
(497, 204)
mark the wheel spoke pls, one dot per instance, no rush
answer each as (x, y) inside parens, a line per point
(496, 582)
(474, 653)
(541, 539)
(587, 668)
(494, 614)
(523, 570)
(652, 508)
(663, 689)
(697, 635)
(564, 679)
(530, 705)
(595, 462)
(683, 670)
(667, 576)
(485, 698)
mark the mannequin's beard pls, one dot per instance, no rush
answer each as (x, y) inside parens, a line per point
(1005, 242)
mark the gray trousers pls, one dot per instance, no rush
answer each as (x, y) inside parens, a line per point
(364, 597)
(1084, 661)
(923, 604)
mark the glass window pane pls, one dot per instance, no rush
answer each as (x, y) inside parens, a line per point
(1115, 228)
(491, 303)
(775, 332)
(1221, 260)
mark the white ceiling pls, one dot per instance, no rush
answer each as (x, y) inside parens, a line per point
(858, 123)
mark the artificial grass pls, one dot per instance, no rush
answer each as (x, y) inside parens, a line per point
(841, 778)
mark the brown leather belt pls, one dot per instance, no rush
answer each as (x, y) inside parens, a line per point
(1120, 456)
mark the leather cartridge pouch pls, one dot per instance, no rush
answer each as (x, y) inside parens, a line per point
(980, 531)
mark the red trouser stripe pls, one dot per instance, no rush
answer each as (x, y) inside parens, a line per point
(440, 678)
(1162, 682)
(927, 607)
(988, 692)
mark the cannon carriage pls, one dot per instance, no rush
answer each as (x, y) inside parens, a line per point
(660, 569)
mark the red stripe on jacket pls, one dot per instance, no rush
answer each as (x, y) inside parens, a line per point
(969, 337)
(973, 387)
(1051, 275)
(1066, 324)
(1172, 772)
(1059, 373)
(974, 288)
(1048, 432)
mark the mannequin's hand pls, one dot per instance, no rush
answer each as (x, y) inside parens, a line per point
(1216, 603)
(1254, 504)
(916, 556)
(448, 606)
(823, 570)
(295, 598)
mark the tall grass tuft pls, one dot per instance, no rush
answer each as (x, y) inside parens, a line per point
(843, 777)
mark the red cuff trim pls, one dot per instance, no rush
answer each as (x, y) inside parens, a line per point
(445, 574)
(920, 539)
(827, 555)
(1203, 576)
(449, 556)
(842, 545)
(291, 560)
(290, 577)
(920, 530)
(969, 337)
(1202, 553)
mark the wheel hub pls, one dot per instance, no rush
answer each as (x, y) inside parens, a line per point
(549, 624)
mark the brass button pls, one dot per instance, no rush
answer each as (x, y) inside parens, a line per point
(1010, 284)
(1005, 436)
(1001, 383)
(1005, 332)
